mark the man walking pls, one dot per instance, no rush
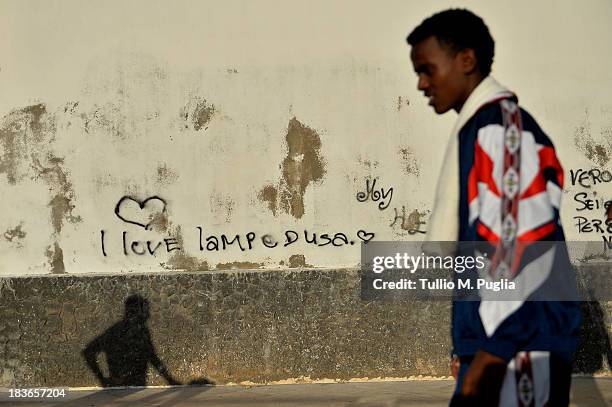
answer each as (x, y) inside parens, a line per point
(500, 184)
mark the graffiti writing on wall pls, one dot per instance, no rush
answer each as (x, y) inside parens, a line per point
(371, 193)
(412, 222)
(145, 213)
(590, 205)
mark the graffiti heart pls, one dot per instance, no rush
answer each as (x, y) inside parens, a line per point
(140, 213)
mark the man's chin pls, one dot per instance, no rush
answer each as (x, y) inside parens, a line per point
(440, 109)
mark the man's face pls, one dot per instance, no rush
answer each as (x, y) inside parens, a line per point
(442, 75)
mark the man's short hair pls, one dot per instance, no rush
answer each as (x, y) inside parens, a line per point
(458, 29)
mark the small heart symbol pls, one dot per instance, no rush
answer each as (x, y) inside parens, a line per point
(139, 215)
(365, 236)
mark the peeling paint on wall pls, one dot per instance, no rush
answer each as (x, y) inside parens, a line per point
(401, 102)
(415, 220)
(108, 118)
(165, 175)
(197, 113)
(269, 194)
(409, 161)
(160, 222)
(55, 256)
(412, 223)
(15, 234)
(20, 132)
(26, 148)
(222, 206)
(60, 186)
(596, 152)
(298, 261)
(71, 107)
(27, 137)
(367, 163)
(302, 166)
(202, 115)
(61, 208)
(180, 259)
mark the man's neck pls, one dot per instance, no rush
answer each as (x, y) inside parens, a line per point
(472, 83)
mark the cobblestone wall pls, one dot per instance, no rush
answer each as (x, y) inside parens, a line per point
(232, 326)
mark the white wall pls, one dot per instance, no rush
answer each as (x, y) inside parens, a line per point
(192, 102)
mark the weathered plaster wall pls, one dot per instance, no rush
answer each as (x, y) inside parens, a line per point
(262, 120)
(135, 136)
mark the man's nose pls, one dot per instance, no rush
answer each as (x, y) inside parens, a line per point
(423, 83)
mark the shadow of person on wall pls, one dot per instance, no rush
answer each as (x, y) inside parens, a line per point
(128, 349)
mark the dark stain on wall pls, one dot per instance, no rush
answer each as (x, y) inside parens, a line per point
(401, 102)
(222, 206)
(302, 166)
(367, 163)
(197, 113)
(598, 153)
(15, 234)
(27, 137)
(166, 175)
(55, 255)
(160, 222)
(71, 107)
(9, 158)
(54, 174)
(298, 261)
(20, 132)
(180, 259)
(410, 164)
(202, 115)
(109, 118)
(269, 194)
(415, 220)
(60, 208)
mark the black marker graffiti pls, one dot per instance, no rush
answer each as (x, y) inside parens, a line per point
(586, 225)
(607, 242)
(224, 242)
(590, 177)
(269, 241)
(144, 213)
(376, 195)
(365, 236)
(102, 241)
(139, 247)
(590, 203)
(212, 242)
(338, 239)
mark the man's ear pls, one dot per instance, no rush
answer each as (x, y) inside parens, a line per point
(467, 59)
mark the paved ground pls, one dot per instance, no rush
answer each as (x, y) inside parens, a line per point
(586, 391)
